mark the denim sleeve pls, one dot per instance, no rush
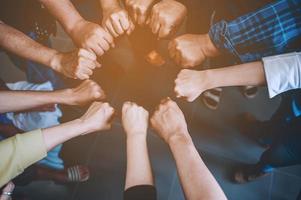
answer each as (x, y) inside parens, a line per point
(268, 31)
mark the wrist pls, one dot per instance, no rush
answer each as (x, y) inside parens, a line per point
(210, 49)
(72, 27)
(136, 136)
(55, 61)
(208, 80)
(108, 7)
(66, 96)
(179, 139)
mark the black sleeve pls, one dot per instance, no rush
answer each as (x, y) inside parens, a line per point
(140, 192)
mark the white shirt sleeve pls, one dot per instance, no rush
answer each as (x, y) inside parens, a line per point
(283, 72)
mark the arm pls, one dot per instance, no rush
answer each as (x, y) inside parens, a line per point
(12, 101)
(280, 73)
(196, 179)
(85, 34)
(23, 150)
(75, 64)
(135, 122)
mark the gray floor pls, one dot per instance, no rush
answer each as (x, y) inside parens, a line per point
(215, 135)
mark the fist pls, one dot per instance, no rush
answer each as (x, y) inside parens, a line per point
(134, 119)
(88, 91)
(91, 37)
(78, 64)
(117, 21)
(139, 10)
(191, 50)
(168, 120)
(166, 16)
(98, 117)
(190, 84)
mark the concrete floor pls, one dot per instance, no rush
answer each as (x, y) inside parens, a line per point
(215, 135)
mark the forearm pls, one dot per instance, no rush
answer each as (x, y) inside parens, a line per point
(196, 179)
(13, 101)
(18, 43)
(107, 4)
(65, 12)
(63, 132)
(138, 170)
(237, 75)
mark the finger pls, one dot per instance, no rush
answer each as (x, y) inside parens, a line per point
(87, 54)
(156, 27)
(86, 71)
(82, 76)
(135, 14)
(110, 28)
(117, 26)
(165, 100)
(164, 32)
(141, 16)
(97, 50)
(97, 64)
(124, 21)
(108, 37)
(104, 44)
(172, 48)
(131, 29)
(178, 58)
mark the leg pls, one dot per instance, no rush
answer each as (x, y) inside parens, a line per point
(285, 151)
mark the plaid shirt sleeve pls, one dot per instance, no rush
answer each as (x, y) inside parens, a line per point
(273, 29)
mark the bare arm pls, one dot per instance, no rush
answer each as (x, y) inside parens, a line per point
(65, 12)
(12, 101)
(191, 83)
(21, 45)
(196, 180)
(135, 122)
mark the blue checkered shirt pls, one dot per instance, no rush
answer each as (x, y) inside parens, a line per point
(273, 29)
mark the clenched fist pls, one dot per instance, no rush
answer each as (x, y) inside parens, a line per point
(190, 50)
(190, 84)
(166, 16)
(92, 37)
(139, 10)
(78, 64)
(134, 119)
(98, 117)
(117, 21)
(88, 91)
(169, 121)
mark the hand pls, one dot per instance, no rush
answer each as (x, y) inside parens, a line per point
(139, 10)
(191, 50)
(166, 16)
(88, 91)
(134, 119)
(92, 37)
(78, 64)
(190, 84)
(116, 21)
(98, 117)
(169, 121)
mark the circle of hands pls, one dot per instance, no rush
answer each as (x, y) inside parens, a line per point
(162, 18)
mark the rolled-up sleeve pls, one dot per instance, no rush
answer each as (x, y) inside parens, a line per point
(283, 72)
(19, 152)
(273, 29)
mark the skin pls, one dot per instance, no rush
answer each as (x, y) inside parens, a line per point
(190, 50)
(8, 188)
(97, 118)
(84, 34)
(78, 64)
(139, 10)
(190, 84)
(116, 19)
(135, 123)
(196, 180)
(14, 101)
(165, 17)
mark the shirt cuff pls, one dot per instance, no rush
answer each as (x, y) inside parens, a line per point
(282, 73)
(31, 147)
(219, 35)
